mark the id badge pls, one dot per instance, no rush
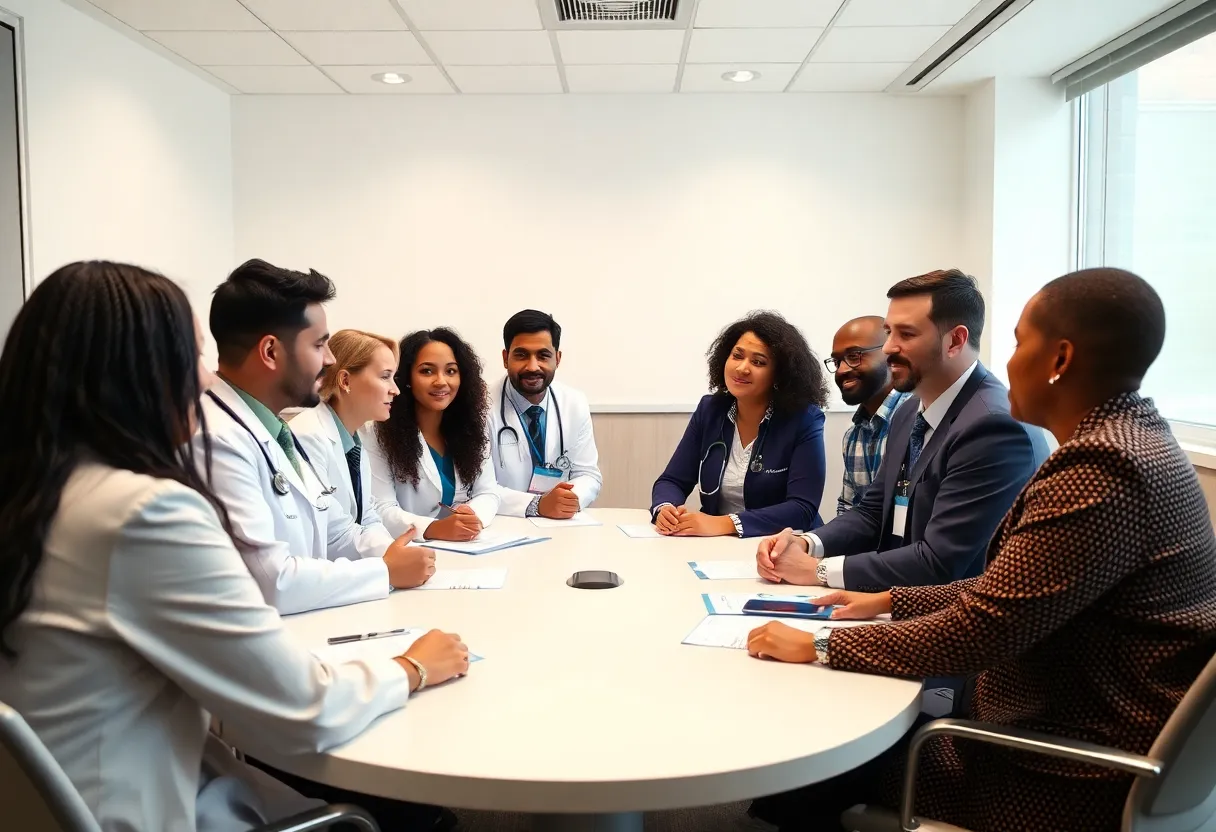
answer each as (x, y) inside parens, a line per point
(899, 517)
(544, 479)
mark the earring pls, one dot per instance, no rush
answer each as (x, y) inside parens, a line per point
(1054, 379)
(345, 389)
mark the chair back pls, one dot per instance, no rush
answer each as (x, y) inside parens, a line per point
(35, 794)
(1183, 798)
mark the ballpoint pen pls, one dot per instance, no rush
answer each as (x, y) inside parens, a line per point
(364, 637)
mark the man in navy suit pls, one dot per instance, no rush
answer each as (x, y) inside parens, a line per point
(955, 458)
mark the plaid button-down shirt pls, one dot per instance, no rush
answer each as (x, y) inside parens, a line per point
(864, 444)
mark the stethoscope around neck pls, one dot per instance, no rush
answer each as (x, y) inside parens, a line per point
(756, 465)
(278, 480)
(563, 459)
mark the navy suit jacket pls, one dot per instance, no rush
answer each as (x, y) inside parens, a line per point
(785, 493)
(973, 466)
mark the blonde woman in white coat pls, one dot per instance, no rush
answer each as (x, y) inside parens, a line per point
(430, 460)
(128, 614)
(357, 388)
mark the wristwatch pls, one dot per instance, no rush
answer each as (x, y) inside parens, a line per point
(821, 572)
(422, 670)
(821, 645)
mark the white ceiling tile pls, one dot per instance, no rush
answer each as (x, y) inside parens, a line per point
(230, 48)
(273, 80)
(648, 46)
(904, 12)
(708, 78)
(491, 48)
(777, 46)
(847, 77)
(326, 15)
(776, 14)
(219, 15)
(433, 15)
(621, 78)
(876, 44)
(358, 79)
(506, 79)
(358, 48)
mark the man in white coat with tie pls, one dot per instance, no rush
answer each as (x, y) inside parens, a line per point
(301, 545)
(541, 439)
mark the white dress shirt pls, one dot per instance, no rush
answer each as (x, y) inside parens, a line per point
(144, 619)
(731, 498)
(513, 460)
(933, 414)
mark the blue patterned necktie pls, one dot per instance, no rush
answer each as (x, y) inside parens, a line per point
(533, 413)
(916, 443)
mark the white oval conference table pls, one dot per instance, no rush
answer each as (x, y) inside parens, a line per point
(587, 710)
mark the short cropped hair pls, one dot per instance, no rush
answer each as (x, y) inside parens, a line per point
(529, 321)
(259, 299)
(955, 297)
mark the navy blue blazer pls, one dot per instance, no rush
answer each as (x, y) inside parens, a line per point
(784, 493)
(968, 475)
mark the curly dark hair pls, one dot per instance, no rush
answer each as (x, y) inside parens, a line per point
(464, 422)
(798, 377)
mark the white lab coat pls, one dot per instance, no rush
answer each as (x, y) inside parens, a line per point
(513, 460)
(317, 431)
(143, 620)
(303, 558)
(402, 504)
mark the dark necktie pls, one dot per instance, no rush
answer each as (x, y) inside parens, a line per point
(916, 443)
(356, 484)
(533, 413)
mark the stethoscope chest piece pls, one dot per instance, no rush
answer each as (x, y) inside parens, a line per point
(757, 465)
(279, 483)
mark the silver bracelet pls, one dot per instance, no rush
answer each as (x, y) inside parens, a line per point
(421, 672)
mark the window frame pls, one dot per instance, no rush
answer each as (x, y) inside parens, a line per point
(1091, 124)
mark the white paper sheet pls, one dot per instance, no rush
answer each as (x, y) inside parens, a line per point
(482, 544)
(580, 519)
(639, 530)
(466, 579)
(733, 630)
(724, 570)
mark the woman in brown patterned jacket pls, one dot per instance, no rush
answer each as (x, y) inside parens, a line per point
(1098, 607)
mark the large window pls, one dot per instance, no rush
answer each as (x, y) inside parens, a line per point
(1148, 204)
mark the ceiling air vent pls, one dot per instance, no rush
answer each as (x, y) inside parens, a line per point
(616, 14)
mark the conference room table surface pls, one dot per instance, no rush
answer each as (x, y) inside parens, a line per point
(586, 703)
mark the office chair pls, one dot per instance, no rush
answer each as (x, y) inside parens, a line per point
(1174, 789)
(38, 797)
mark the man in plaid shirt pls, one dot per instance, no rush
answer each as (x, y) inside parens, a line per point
(864, 379)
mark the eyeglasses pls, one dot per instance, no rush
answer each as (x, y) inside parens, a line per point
(852, 358)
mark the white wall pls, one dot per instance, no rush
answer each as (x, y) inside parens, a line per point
(129, 156)
(643, 223)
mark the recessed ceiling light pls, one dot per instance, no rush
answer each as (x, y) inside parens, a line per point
(391, 78)
(740, 76)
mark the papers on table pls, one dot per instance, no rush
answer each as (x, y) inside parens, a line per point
(732, 603)
(373, 649)
(732, 630)
(580, 519)
(482, 544)
(724, 570)
(466, 579)
(639, 529)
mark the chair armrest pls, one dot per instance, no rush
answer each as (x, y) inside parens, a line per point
(323, 818)
(1052, 746)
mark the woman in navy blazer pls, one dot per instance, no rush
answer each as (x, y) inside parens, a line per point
(754, 446)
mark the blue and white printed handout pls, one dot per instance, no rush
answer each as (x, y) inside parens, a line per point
(731, 603)
(724, 570)
(374, 649)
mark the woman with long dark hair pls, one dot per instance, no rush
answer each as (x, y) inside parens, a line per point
(126, 611)
(430, 460)
(754, 446)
